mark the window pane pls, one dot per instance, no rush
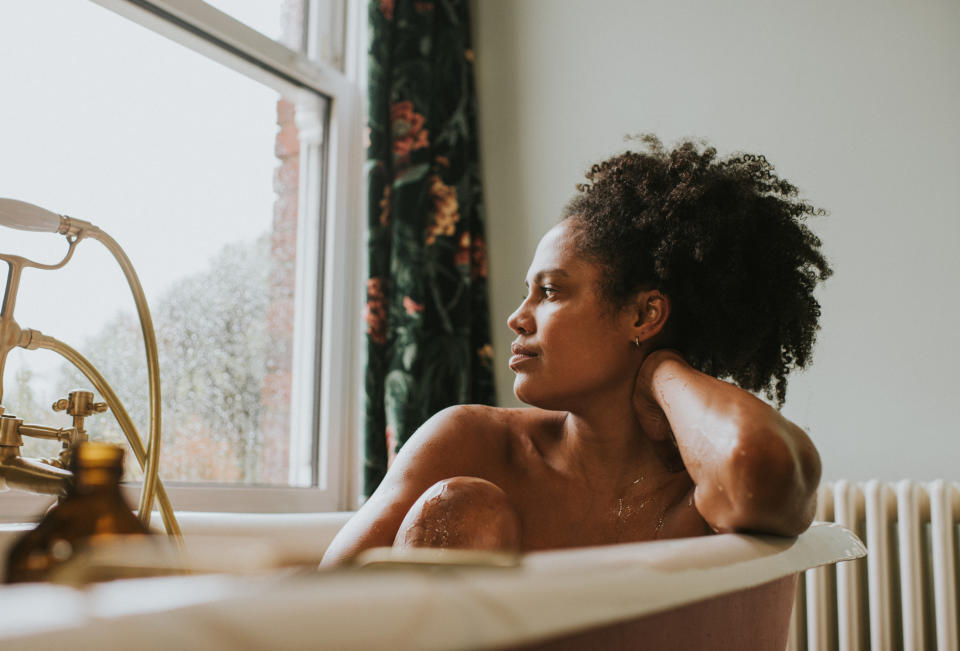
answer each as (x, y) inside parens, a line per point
(193, 169)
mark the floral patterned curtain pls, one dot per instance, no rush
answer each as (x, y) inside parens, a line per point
(428, 332)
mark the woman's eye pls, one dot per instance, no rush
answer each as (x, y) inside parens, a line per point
(544, 290)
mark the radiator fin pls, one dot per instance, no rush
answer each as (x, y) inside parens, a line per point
(904, 595)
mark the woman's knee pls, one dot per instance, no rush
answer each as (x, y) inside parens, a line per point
(461, 513)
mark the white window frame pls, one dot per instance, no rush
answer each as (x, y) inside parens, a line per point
(327, 360)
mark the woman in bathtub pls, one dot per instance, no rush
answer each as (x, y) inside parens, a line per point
(670, 269)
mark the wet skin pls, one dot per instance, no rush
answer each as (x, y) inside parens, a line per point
(521, 452)
(625, 442)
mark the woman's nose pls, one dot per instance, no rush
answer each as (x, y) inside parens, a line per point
(520, 321)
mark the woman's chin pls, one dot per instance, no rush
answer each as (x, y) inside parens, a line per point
(528, 394)
(522, 390)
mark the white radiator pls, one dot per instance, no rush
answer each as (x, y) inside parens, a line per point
(904, 594)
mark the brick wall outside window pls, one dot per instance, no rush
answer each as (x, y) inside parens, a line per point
(283, 248)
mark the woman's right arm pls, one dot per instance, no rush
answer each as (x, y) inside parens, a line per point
(754, 470)
(452, 443)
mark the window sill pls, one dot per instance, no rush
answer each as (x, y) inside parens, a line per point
(300, 537)
(240, 500)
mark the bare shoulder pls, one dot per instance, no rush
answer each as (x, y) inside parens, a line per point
(458, 440)
(480, 430)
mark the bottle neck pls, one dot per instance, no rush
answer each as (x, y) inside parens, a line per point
(96, 480)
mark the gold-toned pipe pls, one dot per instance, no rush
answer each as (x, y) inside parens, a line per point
(70, 226)
(40, 340)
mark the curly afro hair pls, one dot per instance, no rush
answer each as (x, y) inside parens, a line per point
(724, 239)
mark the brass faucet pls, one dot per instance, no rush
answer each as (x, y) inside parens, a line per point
(32, 475)
(45, 476)
(50, 476)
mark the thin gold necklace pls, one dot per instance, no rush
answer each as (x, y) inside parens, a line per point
(624, 514)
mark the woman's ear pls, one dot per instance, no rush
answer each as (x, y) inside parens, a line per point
(652, 309)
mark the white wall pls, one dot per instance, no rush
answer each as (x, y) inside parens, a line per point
(855, 103)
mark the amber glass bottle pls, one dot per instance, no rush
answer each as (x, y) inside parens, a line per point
(93, 508)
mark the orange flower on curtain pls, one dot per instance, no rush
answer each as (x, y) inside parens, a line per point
(408, 134)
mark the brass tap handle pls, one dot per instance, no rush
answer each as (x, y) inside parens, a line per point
(80, 404)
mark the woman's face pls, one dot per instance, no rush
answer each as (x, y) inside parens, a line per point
(570, 345)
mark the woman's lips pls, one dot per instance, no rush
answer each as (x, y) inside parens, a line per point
(517, 360)
(521, 354)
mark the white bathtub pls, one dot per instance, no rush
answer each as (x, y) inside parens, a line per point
(715, 592)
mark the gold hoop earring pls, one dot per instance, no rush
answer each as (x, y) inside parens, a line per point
(636, 341)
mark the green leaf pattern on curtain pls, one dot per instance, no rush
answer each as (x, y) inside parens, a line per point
(427, 317)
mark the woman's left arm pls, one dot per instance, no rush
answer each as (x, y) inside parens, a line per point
(754, 470)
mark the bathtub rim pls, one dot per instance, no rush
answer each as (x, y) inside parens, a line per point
(558, 592)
